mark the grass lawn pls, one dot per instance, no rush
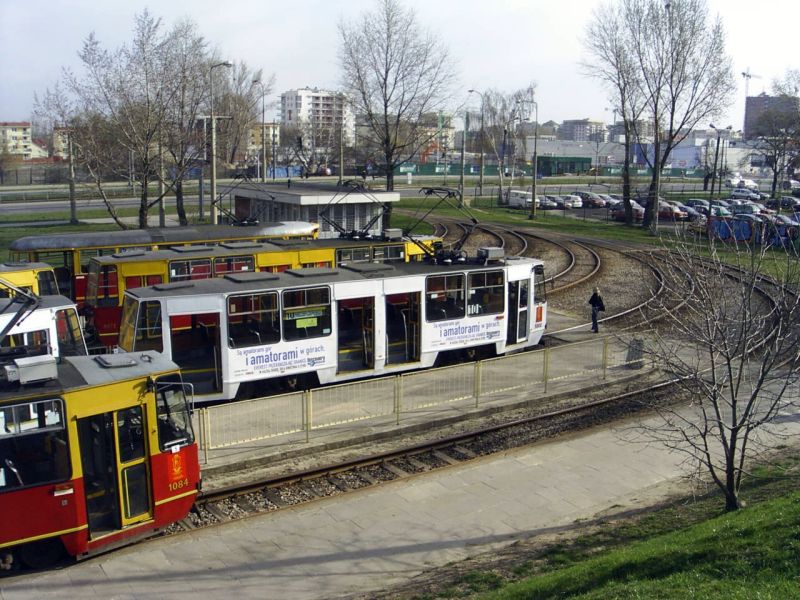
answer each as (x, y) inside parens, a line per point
(688, 548)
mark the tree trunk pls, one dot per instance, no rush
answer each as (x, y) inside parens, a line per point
(143, 202)
(182, 220)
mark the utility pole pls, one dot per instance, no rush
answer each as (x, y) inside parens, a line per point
(214, 208)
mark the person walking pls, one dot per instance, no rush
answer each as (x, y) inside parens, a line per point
(596, 302)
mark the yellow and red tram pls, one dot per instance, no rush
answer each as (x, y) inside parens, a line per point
(110, 276)
(95, 451)
(69, 253)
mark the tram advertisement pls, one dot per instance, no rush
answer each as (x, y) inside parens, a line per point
(272, 360)
(449, 334)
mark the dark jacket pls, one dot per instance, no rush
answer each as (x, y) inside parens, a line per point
(597, 302)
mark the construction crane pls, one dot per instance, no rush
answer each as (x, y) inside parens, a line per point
(747, 77)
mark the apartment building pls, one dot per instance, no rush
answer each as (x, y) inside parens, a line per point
(582, 130)
(15, 138)
(322, 112)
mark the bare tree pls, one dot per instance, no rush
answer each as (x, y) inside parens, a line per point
(673, 63)
(611, 62)
(501, 112)
(734, 352)
(397, 74)
(778, 141)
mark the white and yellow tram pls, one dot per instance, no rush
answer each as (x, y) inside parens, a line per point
(248, 334)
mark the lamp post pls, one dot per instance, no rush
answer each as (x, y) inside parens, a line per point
(274, 136)
(480, 180)
(716, 156)
(535, 170)
(535, 156)
(263, 131)
(214, 209)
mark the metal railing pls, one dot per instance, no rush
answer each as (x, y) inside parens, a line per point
(466, 386)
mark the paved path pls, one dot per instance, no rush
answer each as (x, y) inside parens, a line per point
(381, 536)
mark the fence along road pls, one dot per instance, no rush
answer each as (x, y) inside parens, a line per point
(250, 430)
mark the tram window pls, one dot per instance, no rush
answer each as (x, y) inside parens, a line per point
(130, 432)
(174, 422)
(140, 328)
(102, 286)
(485, 294)
(253, 320)
(306, 313)
(352, 255)
(47, 283)
(392, 253)
(70, 337)
(137, 281)
(33, 444)
(30, 343)
(444, 296)
(233, 264)
(183, 270)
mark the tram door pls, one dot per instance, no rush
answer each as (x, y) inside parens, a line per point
(356, 334)
(115, 471)
(196, 349)
(403, 328)
(517, 311)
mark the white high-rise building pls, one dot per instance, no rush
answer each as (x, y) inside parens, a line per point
(322, 113)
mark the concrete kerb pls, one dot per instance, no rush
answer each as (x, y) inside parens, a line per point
(270, 456)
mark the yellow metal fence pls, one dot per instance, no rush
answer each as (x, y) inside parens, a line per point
(394, 396)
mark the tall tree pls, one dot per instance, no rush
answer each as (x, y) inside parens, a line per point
(673, 57)
(731, 349)
(502, 111)
(611, 62)
(398, 76)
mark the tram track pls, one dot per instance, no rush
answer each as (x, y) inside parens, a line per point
(549, 419)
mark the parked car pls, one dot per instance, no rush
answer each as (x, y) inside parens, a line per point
(590, 199)
(610, 200)
(789, 202)
(668, 212)
(722, 203)
(716, 211)
(575, 201)
(691, 213)
(745, 194)
(546, 203)
(693, 202)
(561, 202)
(618, 212)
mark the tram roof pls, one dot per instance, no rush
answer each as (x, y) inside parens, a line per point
(235, 283)
(242, 247)
(75, 372)
(9, 306)
(16, 267)
(159, 235)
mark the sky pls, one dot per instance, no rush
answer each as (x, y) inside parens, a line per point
(497, 44)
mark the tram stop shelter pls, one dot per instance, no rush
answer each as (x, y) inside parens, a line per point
(335, 208)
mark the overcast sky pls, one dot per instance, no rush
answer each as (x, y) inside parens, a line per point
(502, 44)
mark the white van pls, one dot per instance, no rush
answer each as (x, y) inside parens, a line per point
(520, 199)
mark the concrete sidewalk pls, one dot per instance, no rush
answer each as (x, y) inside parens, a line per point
(384, 535)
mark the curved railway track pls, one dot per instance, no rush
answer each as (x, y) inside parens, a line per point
(548, 418)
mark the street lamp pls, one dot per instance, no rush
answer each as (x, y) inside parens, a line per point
(534, 171)
(480, 180)
(263, 131)
(716, 156)
(214, 209)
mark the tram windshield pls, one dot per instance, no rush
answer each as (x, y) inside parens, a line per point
(33, 444)
(172, 410)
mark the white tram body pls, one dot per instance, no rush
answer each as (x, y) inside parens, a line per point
(238, 335)
(34, 329)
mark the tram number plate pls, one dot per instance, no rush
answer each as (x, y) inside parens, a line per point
(174, 486)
